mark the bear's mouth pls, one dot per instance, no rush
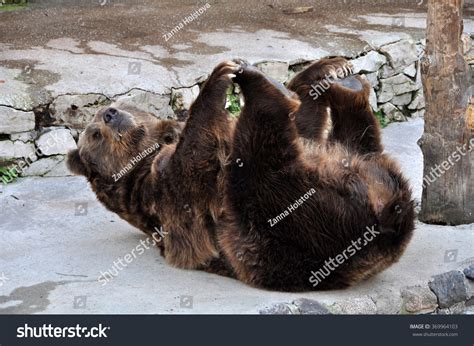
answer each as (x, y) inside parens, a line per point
(118, 131)
(129, 133)
(122, 128)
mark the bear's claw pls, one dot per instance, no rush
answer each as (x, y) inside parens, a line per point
(225, 70)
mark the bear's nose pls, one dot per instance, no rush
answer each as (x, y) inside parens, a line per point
(110, 114)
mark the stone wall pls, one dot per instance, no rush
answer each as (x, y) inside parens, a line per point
(35, 142)
(445, 294)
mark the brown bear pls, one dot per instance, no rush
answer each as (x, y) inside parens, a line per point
(274, 199)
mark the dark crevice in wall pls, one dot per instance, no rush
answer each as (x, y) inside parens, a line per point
(43, 116)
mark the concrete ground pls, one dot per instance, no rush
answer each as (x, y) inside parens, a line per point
(56, 239)
(78, 47)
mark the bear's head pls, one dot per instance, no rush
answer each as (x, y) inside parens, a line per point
(114, 139)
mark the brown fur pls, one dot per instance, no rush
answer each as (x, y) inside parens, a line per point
(214, 184)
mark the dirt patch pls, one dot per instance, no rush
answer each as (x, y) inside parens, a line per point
(146, 21)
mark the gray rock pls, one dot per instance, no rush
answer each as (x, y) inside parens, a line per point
(280, 309)
(24, 91)
(469, 272)
(392, 112)
(183, 98)
(400, 54)
(75, 133)
(373, 79)
(277, 70)
(388, 71)
(418, 300)
(456, 309)
(24, 136)
(12, 120)
(14, 150)
(420, 47)
(158, 105)
(60, 170)
(410, 70)
(385, 94)
(418, 81)
(310, 307)
(402, 100)
(449, 287)
(362, 306)
(48, 166)
(388, 303)
(467, 43)
(470, 288)
(373, 100)
(56, 141)
(76, 111)
(402, 85)
(418, 101)
(418, 114)
(396, 85)
(371, 62)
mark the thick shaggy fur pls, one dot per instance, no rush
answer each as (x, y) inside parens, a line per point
(214, 185)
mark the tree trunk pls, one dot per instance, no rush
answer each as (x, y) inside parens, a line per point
(448, 140)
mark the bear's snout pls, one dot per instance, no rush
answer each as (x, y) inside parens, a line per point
(110, 115)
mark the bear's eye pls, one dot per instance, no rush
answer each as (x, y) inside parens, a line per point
(169, 139)
(96, 135)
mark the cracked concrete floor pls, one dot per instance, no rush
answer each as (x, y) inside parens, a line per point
(56, 239)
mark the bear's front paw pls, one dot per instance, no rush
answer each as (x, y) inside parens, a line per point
(247, 71)
(214, 91)
(225, 71)
(242, 63)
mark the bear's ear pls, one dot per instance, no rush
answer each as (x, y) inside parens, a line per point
(171, 130)
(74, 163)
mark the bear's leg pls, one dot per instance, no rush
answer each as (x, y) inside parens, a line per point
(265, 133)
(201, 150)
(207, 129)
(311, 85)
(194, 174)
(213, 93)
(324, 88)
(265, 175)
(354, 123)
(324, 69)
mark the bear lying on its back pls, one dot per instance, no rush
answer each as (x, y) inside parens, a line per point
(276, 198)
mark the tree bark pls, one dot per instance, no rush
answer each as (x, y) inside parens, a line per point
(448, 139)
